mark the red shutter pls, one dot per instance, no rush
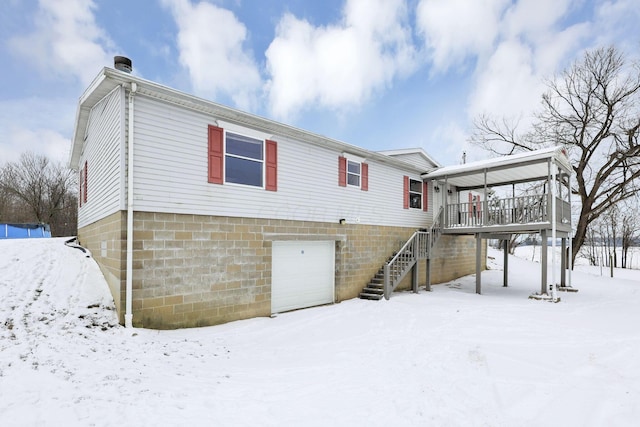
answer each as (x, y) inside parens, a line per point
(478, 211)
(216, 155)
(470, 205)
(425, 196)
(365, 177)
(406, 193)
(272, 166)
(85, 183)
(342, 171)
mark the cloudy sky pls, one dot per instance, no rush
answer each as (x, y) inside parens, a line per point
(380, 74)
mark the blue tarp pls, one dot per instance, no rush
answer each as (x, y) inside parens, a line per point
(24, 231)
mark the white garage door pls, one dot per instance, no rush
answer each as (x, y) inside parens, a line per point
(302, 274)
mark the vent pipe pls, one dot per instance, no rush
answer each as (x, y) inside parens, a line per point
(122, 63)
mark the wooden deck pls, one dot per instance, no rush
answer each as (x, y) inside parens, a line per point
(524, 214)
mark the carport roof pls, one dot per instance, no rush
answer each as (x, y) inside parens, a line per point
(522, 167)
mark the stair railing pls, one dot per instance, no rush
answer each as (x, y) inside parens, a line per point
(397, 268)
(417, 247)
(435, 231)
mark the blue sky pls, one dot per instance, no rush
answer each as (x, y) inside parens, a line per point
(380, 74)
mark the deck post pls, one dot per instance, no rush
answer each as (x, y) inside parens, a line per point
(543, 262)
(428, 272)
(570, 258)
(478, 263)
(414, 277)
(505, 270)
(387, 282)
(563, 263)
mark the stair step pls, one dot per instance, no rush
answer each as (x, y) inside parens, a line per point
(371, 290)
(375, 297)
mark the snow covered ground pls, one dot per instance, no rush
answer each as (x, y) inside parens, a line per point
(445, 358)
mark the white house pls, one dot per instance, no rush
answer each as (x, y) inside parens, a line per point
(199, 214)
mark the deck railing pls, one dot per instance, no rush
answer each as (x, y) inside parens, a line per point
(514, 210)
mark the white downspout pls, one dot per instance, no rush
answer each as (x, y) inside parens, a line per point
(554, 195)
(128, 316)
(570, 263)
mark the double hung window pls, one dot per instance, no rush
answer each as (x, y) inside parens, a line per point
(415, 194)
(244, 160)
(353, 173)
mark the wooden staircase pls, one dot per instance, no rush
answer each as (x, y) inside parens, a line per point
(375, 288)
(418, 247)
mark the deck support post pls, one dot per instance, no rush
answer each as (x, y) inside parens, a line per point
(414, 277)
(505, 272)
(478, 263)
(543, 262)
(563, 263)
(428, 273)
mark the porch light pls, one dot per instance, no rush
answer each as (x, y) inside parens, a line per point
(436, 188)
(342, 221)
(449, 191)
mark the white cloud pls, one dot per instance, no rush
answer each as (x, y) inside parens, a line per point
(457, 29)
(507, 84)
(511, 45)
(614, 20)
(66, 40)
(341, 65)
(534, 18)
(36, 124)
(47, 142)
(210, 40)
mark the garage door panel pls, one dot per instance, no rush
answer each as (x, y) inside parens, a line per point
(302, 274)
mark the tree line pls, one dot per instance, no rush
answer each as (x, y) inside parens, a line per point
(36, 190)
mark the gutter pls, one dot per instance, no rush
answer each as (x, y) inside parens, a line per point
(128, 316)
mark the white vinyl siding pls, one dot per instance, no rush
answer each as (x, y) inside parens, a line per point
(103, 154)
(171, 176)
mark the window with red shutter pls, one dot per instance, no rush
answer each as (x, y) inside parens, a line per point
(240, 159)
(216, 155)
(425, 197)
(272, 166)
(342, 171)
(365, 177)
(405, 192)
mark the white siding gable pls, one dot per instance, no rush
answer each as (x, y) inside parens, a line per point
(416, 157)
(102, 152)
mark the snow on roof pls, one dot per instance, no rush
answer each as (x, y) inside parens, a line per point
(521, 167)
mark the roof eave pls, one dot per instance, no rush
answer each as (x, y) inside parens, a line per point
(218, 110)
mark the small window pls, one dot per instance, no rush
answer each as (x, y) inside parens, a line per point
(244, 160)
(415, 194)
(353, 173)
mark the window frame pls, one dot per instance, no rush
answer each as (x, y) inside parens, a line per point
(358, 175)
(413, 193)
(262, 161)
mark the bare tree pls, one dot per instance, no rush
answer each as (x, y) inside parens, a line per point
(593, 109)
(36, 190)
